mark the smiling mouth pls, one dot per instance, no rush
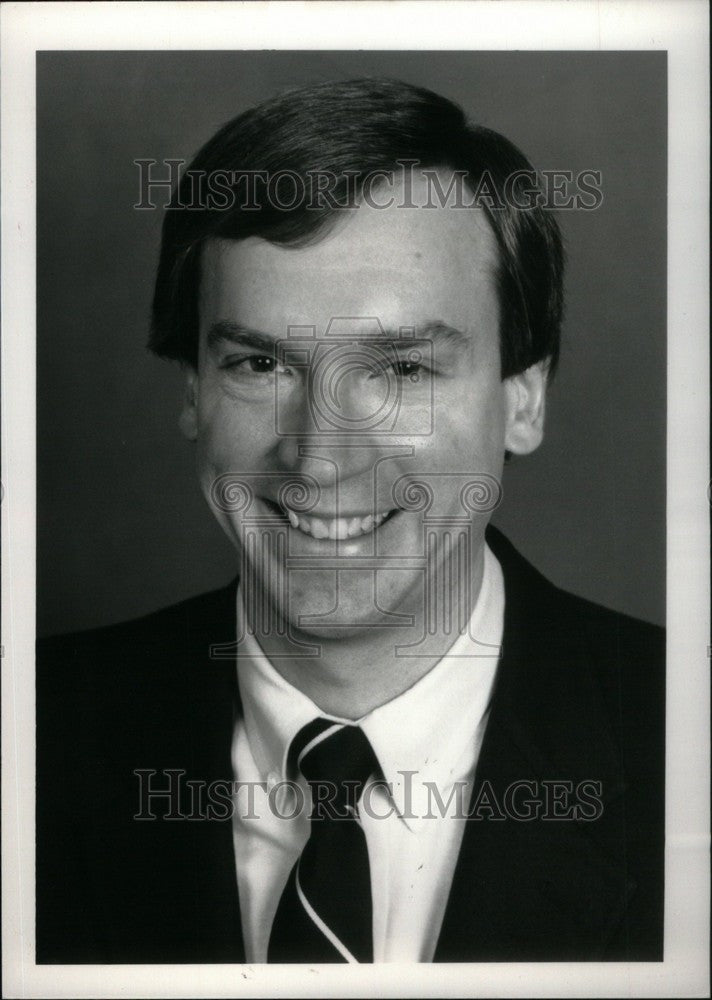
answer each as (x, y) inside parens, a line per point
(335, 528)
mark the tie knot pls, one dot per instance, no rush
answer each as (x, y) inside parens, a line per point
(333, 753)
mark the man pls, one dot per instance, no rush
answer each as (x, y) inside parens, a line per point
(390, 738)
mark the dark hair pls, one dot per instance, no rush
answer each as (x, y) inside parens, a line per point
(349, 130)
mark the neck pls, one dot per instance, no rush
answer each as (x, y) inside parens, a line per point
(351, 676)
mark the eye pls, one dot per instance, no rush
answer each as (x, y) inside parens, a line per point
(411, 369)
(257, 364)
(407, 369)
(261, 364)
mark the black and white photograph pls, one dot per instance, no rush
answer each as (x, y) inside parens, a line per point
(358, 609)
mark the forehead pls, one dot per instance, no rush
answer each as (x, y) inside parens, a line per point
(401, 264)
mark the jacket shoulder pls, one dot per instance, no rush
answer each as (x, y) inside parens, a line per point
(575, 639)
(624, 651)
(141, 694)
(604, 625)
(548, 608)
(172, 624)
(626, 660)
(95, 678)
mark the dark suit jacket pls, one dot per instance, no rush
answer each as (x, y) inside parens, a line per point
(579, 696)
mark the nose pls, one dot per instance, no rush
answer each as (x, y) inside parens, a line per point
(330, 422)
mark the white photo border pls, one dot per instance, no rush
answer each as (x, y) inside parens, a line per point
(678, 26)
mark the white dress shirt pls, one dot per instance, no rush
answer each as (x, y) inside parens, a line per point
(434, 729)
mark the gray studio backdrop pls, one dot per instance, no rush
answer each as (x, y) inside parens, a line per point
(122, 526)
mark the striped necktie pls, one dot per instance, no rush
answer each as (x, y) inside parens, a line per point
(325, 913)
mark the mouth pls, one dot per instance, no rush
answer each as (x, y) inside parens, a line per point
(335, 528)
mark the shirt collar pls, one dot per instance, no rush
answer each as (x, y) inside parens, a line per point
(427, 730)
(273, 709)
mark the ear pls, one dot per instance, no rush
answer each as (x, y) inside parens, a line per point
(525, 398)
(188, 420)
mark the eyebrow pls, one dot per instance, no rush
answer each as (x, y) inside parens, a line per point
(236, 333)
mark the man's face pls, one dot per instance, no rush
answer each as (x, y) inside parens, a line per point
(360, 365)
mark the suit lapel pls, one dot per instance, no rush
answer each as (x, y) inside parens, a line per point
(214, 699)
(535, 889)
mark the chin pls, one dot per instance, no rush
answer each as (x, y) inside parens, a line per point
(356, 607)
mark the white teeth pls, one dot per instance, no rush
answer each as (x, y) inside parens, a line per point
(319, 529)
(336, 528)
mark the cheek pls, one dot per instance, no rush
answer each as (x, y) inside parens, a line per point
(469, 429)
(225, 452)
(226, 435)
